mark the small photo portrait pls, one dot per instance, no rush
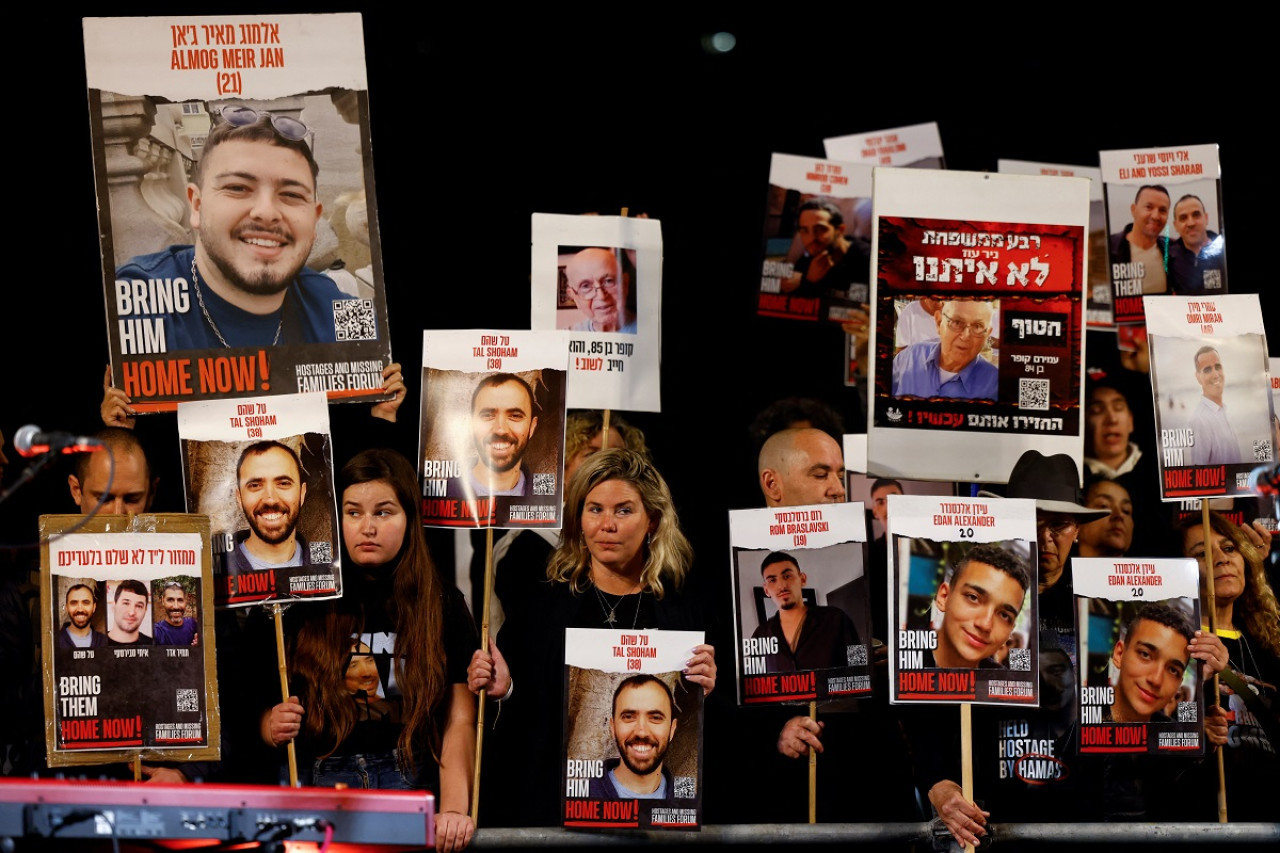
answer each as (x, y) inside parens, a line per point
(778, 598)
(960, 361)
(644, 727)
(78, 614)
(129, 619)
(596, 289)
(1214, 387)
(175, 600)
(270, 501)
(974, 596)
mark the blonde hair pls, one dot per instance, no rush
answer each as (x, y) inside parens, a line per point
(668, 554)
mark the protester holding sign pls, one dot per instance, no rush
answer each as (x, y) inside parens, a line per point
(1248, 625)
(369, 713)
(622, 561)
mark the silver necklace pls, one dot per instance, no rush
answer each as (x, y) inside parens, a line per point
(195, 279)
(611, 608)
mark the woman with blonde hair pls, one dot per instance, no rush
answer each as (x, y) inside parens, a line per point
(622, 562)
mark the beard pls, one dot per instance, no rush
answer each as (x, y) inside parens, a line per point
(652, 765)
(283, 532)
(263, 281)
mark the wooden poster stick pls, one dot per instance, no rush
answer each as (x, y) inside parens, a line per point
(966, 756)
(604, 432)
(137, 767)
(813, 770)
(1206, 570)
(277, 613)
(484, 644)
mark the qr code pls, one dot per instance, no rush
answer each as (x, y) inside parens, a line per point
(1019, 660)
(686, 787)
(544, 484)
(1262, 450)
(856, 655)
(1033, 394)
(188, 699)
(321, 552)
(353, 320)
(1187, 712)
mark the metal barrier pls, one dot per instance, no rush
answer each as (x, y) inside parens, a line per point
(900, 833)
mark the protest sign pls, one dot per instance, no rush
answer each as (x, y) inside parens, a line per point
(1164, 218)
(963, 600)
(978, 301)
(599, 278)
(633, 730)
(1139, 687)
(262, 470)
(817, 260)
(492, 428)
(127, 639)
(1211, 381)
(236, 206)
(790, 647)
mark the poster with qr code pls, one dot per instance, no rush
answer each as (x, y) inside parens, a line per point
(127, 639)
(803, 603)
(236, 204)
(599, 278)
(1211, 381)
(632, 731)
(492, 428)
(1164, 225)
(963, 601)
(1139, 690)
(977, 339)
(261, 468)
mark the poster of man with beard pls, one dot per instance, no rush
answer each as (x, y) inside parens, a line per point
(114, 689)
(234, 176)
(492, 428)
(633, 731)
(262, 470)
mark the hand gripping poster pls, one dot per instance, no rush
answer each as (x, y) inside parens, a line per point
(127, 639)
(790, 647)
(1097, 305)
(261, 468)
(492, 428)
(1211, 381)
(917, 146)
(234, 175)
(633, 734)
(1164, 221)
(963, 598)
(1139, 688)
(599, 278)
(977, 341)
(817, 241)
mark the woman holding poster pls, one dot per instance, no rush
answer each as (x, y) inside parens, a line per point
(368, 713)
(622, 561)
(1249, 628)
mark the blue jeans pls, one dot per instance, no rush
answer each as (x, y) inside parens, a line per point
(372, 770)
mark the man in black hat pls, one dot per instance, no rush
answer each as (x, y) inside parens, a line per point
(1036, 790)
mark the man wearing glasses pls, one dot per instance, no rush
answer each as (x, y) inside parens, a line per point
(254, 211)
(599, 291)
(951, 366)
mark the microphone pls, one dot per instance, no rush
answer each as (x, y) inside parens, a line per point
(30, 441)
